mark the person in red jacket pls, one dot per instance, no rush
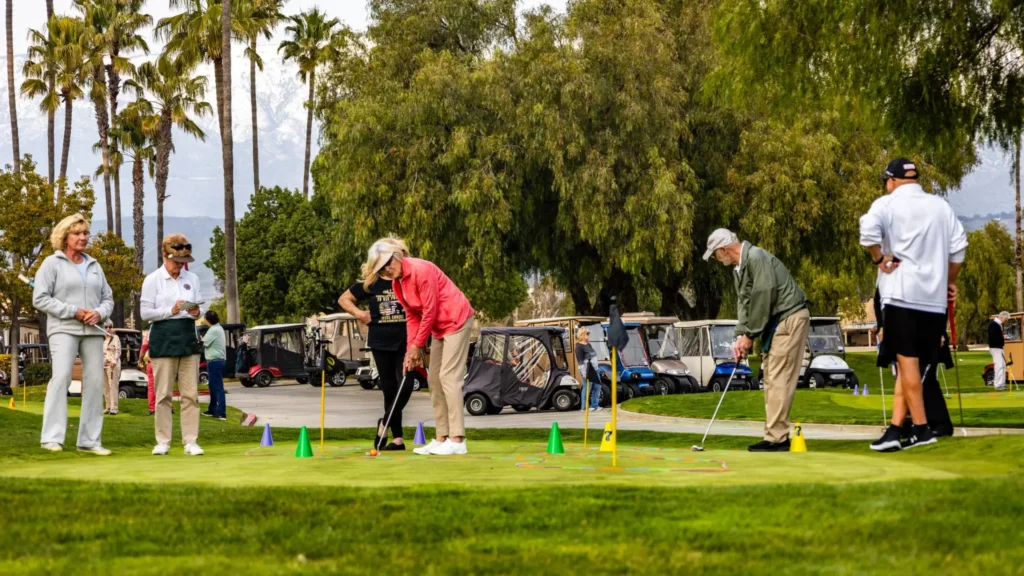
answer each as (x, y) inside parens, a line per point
(434, 307)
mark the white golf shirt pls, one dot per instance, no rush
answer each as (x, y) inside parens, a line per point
(160, 292)
(923, 232)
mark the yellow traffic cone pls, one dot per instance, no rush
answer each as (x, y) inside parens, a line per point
(797, 443)
(608, 438)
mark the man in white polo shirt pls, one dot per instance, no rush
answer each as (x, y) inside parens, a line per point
(918, 244)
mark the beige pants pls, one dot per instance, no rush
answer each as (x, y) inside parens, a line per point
(185, 371)
(447, 374)
(111, 388)
(782, 371)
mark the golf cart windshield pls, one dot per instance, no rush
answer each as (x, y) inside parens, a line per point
(661, 339)
(633, 354)
(825, 338)
(600, 344)
(722, 339)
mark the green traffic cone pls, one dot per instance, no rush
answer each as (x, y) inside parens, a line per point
(303, 450)
(555, 440)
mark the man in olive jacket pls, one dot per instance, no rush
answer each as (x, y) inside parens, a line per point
(771, 306)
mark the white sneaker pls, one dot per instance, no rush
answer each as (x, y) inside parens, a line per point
(450, 448)
(428, 449)
(51, 446)
(161, 449)
(97, 450)
(193, 450)
(598, 409)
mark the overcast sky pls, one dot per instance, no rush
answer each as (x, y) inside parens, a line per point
(32, 13)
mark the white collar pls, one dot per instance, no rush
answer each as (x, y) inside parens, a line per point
(167, 275)
(998, 321)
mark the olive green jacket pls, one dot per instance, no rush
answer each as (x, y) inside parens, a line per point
(767, 294)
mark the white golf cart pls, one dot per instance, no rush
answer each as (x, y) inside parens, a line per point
(825, 359)
(705, 346)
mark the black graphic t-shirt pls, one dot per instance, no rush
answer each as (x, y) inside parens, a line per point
(387, 317)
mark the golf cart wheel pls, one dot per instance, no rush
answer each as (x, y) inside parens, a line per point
(367, 384)
(816, 381)
(717, 384)
(493, 410)
(204, 377)
(521, 408)
(313, 380)
(264, 379)
(416, 383)
(661, 387)
(606, 396)
(854, 382)
(338, 379)
(564, 400)
(629, 391)
(477, 404)
(125, 392)
(247, 382)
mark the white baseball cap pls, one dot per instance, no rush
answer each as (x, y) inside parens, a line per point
(720, 239)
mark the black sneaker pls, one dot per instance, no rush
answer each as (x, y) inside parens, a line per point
(766, 446)
(919, 436)
(889, 442)
(393, 446)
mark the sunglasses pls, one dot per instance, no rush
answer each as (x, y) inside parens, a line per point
(181, 246)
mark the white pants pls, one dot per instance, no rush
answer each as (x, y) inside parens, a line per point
(999, 363)
(63, 350)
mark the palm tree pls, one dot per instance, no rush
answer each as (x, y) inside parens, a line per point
(117, 24)
(260, 18)
(11, 97)
(50, 116)
(66, 53)
(310, 45)
(176, 96)
(129, 134)
(228, 154)
(97, 18)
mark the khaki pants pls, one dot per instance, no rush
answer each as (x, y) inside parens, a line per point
(447, 374)
(782, 371)
(112, 387)
(185, 371)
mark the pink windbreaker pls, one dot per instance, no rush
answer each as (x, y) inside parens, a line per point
(433, 304)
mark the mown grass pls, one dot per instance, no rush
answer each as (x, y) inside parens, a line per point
(964, 526)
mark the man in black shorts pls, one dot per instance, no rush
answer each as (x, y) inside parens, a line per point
(918, 244)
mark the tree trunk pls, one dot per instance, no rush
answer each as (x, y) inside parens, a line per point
(255, 127)
(50, 114)
(163, 162)
(15, 321)
(1017, 238)
(218, 87)
(230, 272)
(309, 135)
(68, 102)
(117, 201)
(103, 127)
(138, 223)
(12, 102)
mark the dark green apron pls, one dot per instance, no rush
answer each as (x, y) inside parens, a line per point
(173, 338)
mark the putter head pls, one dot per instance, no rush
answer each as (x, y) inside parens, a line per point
(697, 448)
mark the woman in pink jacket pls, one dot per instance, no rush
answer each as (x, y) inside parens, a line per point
(434, 307)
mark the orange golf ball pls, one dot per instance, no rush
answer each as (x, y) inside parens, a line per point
(373, 452)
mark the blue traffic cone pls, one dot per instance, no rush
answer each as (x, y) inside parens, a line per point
(268, 438)
(420, 438)
(864, 390)
(855, 391)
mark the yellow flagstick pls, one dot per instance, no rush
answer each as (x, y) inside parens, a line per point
(615, 422)
(323, 386)
(586, 413)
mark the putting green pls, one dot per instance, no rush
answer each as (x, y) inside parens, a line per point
(489, 464)
(971, 401)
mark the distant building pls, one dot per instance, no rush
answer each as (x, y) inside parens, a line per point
(860, 332)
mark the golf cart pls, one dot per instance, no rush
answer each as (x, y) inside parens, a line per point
(706, 346)
(635, 377)
(520, 367)
(659, 335)
(287, 351)
(569, 326)
(346, 339)
(233, 334)
(825, 362)
(369, 378)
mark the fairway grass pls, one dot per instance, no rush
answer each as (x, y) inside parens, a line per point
(506, 508)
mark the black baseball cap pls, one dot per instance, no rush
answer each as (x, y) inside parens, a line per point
(900, 168)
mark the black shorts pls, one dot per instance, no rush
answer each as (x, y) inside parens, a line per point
(911, 333)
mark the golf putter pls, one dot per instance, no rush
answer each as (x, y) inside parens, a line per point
(391, 412)
(713, 416)
(944, 383)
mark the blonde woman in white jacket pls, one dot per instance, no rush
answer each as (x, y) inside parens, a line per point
(72, 290)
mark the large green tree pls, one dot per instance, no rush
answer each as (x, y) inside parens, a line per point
(278, 239)
(987, 282)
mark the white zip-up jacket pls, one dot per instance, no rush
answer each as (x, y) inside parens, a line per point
(923, 232)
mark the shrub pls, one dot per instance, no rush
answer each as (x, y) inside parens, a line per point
(38, 373)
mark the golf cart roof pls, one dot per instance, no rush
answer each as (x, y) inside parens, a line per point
(536, 332)
(648, 318)
(535, 321)
(699, 323)
(31, 346)
(825, 319)
(336, 316)
(278, 327)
